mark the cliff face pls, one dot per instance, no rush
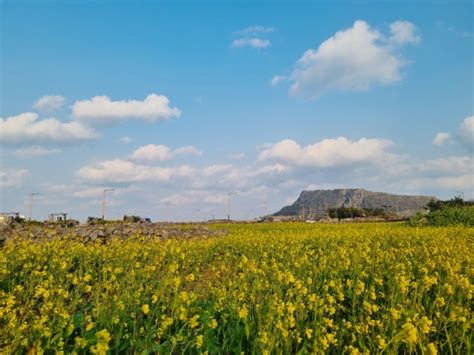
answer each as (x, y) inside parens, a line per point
(313, 204)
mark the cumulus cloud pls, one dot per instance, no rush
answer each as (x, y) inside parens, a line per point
(329, 152)
(441, 138)
(152, 152)
(12, 177)
(467, 131)
(404, 32)
(124, 171)
(49, 103)
(35, 151)
(253, 42)
(188, 150)
(102, 109)
(354, 59)
(28, 128)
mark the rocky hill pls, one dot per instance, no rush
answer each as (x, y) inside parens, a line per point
(314, 204)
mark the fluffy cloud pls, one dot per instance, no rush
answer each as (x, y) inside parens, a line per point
(188, 150)
(124, 171)
(404, 32)
(35, 151)
(353, 59)
(152, 152)
(253, 42)
(103, 109)
(441, 138)
(12, 177)
(328, 152)
(28, 128)
(49, 103)
(467, 131)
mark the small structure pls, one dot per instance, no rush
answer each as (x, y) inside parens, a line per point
(57, 217)
(9, 217)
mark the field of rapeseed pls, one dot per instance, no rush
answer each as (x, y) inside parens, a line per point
(276, 288)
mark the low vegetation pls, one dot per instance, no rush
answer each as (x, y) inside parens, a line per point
(290, 288)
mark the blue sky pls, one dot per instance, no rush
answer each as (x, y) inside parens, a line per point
(377, 95)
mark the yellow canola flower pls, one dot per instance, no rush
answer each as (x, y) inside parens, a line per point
(411, 334)
(199, 341)
(193, 322)
(145, 309)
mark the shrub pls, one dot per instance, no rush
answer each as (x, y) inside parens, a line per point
(458, 215)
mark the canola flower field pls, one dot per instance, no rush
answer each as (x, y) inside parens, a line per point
(264, 288)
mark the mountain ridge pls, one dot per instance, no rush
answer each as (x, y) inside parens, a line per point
(313, 204)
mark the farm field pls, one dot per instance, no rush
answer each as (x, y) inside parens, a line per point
(263, 288)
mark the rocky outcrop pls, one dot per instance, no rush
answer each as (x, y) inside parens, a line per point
(314, 204)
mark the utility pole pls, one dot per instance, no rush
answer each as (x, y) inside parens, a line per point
(103, 202)
(228, 203)
(31, 202)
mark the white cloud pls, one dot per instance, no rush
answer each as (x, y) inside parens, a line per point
(188, 197)
(463, 182)
(353, 59)
(251, 42)
(35, 151)
(441, 138)
(27, 128)
(101, 109)
(12, 177)
(152, 152)
(277, 79)
(404, 32)
(255, 30)
(329, 152)
(126, 140)
(236, 156)
(451, 165)
(467, 131)
(89, 192)
(188, 150)
(123, 171)
(49, 103)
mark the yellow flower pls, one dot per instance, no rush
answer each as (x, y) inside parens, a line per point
(425, 325)
(145, 308)
(432, 349)
(199, 341)
(154, 299)
(309, 333)
(193, 322)
(80, 342)
(213, 324)
(411, 334)
(243, 312)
